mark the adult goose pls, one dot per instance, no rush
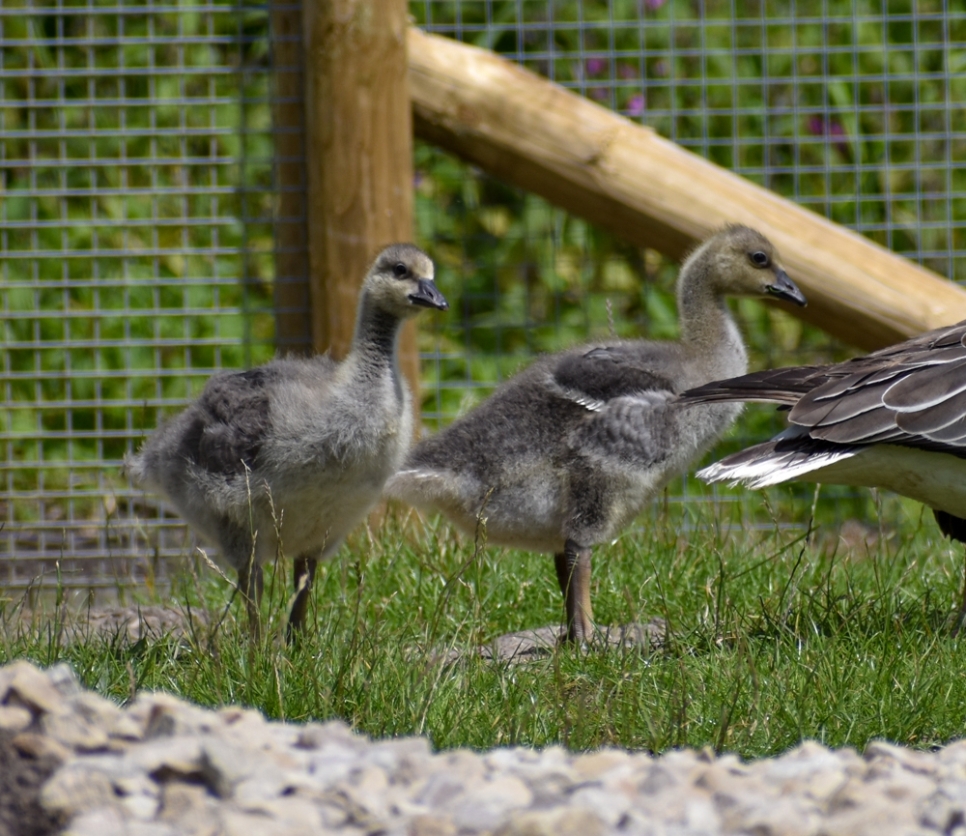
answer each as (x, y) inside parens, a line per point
(893, 419)
(565, 454)
(295, 452)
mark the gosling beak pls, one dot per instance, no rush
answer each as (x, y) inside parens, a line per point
(427, 295)
(784, 288)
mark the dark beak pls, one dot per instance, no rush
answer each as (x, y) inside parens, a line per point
(427, 295)
(784, 288)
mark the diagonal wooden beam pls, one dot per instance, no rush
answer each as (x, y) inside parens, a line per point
(594, 163)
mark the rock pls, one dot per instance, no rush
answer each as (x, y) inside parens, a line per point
(21, 779)
(188, 803)
(317, 735)
(62, 677)
(608, 806)
(37, 746)
(77, 788)
(596, 764)
(21, 684)
(554, 823)
(943, 810)
(170, 759)
(162, 767)
(487, 804)
(125, 727)
(13, 718)
(73, 731)
(223, 765)
(431, 825)
(97, 822)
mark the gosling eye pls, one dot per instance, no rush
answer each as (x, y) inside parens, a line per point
(759, 259)
(399, 270)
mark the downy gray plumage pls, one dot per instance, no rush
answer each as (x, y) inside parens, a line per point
(296, 452)
(565, 454)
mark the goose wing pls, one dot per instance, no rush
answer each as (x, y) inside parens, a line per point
(913, 394)
(593, 378)
(224, 429)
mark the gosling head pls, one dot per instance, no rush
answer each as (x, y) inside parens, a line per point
(400, 282)
(746, 263)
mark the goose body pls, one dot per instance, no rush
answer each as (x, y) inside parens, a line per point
(565, 454)
(893, 419)
(296, 452)
(573, 447)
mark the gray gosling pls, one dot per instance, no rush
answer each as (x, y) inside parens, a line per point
(294, 453)
(894, 419)
(564, 455)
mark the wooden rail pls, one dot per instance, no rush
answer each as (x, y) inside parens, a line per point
(536, 135)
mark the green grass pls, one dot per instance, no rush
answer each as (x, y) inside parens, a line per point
(775, 636)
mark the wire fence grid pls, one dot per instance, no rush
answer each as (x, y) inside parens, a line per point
(146, 187)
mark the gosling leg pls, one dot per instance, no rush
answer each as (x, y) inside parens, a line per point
(304, 575)
(573, 575)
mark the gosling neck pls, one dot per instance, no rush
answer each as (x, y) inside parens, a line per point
(707, 327)
(376, 339)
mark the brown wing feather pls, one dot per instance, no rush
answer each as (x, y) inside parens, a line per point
(912, 393)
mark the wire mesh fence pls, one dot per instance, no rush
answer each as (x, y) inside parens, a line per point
(136, 256)
(853, 110)
(149, 160)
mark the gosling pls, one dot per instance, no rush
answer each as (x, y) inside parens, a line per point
(294, 453)
(893, 419)
(564, 455)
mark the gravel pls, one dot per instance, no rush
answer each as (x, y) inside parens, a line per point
(74, 762)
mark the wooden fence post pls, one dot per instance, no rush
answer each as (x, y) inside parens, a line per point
(360, 160)
(293, 329)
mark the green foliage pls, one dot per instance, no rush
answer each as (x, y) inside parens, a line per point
(128, 270)
(774, 636)
(138, 242)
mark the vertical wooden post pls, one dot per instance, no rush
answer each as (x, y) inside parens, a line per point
(360, 160)
(293, 327)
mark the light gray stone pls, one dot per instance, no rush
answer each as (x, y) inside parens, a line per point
(15, 718)
(62, 677)
(224, 764)
(484, 805)
(430, 825)
(73, 730)
(77, 788)
(554, 823)
(163, 767)
(97, 823)
(609, 806)
(317, 735)
(21, 684)
(183, 803)
(171, 758)
(36, 745)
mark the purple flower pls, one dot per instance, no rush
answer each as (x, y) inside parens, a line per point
(636, 105)
(627, 71)
(652, 5)
(599, 93)
(832, 128)
(595, 66)
(815, 125)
